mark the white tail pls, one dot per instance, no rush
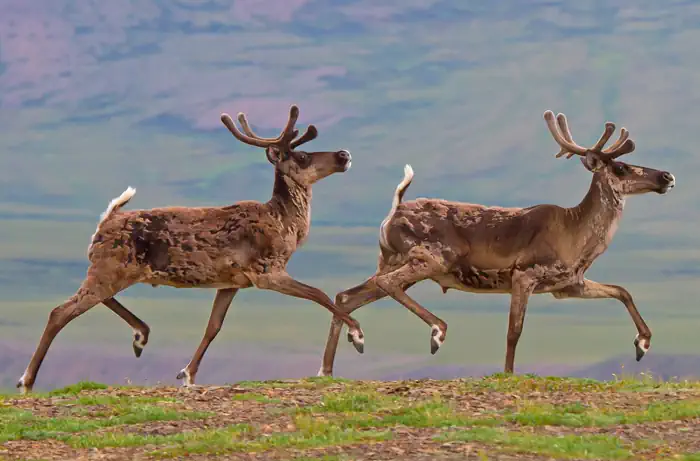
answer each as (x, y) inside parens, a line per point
(117, 203)
(398, 196)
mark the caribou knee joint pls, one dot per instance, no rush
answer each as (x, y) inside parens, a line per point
(513, 337)
(341, 299)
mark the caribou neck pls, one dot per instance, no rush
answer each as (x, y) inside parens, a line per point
(291, 201)
(596, 218)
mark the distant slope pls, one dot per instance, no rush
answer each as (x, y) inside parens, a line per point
(95, 96)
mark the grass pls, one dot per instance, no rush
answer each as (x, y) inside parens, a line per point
(23, 425)
(578, 415)
(568, 446)
(326, 418)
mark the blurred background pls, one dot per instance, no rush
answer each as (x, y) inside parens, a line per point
(98, 96)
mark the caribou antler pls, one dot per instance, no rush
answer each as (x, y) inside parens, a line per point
(284, 142)
(622, 146)
(310, 133)
(562, 135)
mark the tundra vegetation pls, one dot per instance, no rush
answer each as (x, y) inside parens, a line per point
(499, 416)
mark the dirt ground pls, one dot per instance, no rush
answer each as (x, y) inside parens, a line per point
(413, 420)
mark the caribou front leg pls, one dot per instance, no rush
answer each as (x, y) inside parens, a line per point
(282, 282)
(594, 290)
(523, 286)
(222, 302)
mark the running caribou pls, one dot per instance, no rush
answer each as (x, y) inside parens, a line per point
(247, 244)
(475, 248)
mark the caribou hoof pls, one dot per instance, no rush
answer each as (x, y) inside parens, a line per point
(641, 346)
(186, 377)
(435, 341)
(23, 386)
(357, 338)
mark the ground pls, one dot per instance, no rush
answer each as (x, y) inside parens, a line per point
(496, 417)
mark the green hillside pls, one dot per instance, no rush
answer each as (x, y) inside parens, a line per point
(491, 418)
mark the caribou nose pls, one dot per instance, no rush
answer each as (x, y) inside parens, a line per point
(668, 177)
(344, 155)
(343, 159)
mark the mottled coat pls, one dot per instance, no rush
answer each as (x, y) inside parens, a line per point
(247, 244)
(539, 249)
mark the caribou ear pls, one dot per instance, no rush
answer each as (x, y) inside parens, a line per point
(273, 154)
(592, 161)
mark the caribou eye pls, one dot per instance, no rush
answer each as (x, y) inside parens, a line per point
(302, 159)
(619, 170)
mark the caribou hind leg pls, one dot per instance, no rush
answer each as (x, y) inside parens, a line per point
(91, 292)
(348, 301)
(141, 330)
(396, 282)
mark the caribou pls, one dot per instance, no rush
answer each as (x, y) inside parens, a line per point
(229, 248)
(544, 248)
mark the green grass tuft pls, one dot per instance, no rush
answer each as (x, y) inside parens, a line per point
(77, 388)
(569, 446)
(351, 401)
(23, 425)
(579, 415)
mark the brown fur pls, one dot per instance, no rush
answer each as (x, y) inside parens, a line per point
(227, 248)
(474, 248)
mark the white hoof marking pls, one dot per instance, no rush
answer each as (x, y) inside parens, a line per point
(437, 334)
(321, 373)
(186, 378)
(356, 338)
(22, 387)
(139, 339)
(643, 343)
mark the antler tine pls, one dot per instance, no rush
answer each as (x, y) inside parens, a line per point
(626, 147)
(310, 134)
(609, 130)
(249, 137)
(228, 122)
(569, 146)
(566, 132)
(243, 120)
(624, 134)
(288, 132)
